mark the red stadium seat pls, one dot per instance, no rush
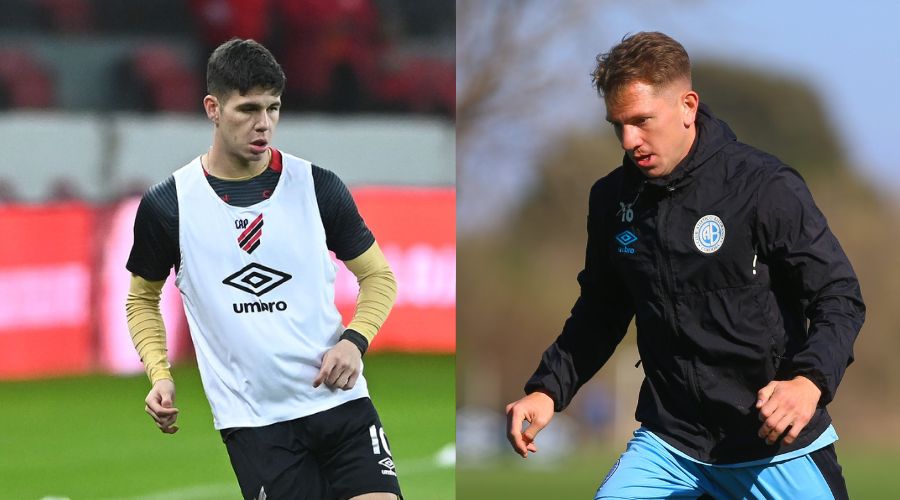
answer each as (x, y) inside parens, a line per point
(332, 55)
(169, 81)
(420, 84)
(69, 16)
(24, 80)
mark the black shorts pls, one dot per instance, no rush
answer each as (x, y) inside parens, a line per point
(334, 454)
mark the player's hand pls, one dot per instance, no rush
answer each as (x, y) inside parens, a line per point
(340, 366)
(161, 406)
(537, 409)
(786, 405)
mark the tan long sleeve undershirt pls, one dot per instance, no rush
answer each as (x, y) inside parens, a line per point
(377, 292)
(145, 324)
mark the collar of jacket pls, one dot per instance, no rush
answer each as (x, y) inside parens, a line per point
(712, 135)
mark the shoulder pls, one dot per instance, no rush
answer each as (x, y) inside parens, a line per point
(290, 161)
(606, 190)
(161, 197)
(740, 158)
(323, 174)
(185, 171)
(329, 188)
(774, 185)
(328, 184)
(610, 182)
(745, 169)
(323, 179)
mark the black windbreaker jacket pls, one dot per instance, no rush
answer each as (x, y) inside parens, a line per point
(735, 280)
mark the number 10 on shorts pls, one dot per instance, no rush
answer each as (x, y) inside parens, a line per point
(378, 440)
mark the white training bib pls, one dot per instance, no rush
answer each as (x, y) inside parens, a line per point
(258, 291)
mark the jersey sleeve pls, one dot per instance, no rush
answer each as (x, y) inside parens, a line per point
(814, 270)
(346, 232)
(597, 323)
(155, 249)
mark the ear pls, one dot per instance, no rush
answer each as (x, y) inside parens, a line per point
(211, 105)
(690, 101)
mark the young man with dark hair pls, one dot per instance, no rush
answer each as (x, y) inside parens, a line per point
(248, 230)
(746, 307)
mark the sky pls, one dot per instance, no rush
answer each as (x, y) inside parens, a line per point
(848, 53)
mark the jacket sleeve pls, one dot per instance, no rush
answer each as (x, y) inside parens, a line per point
(806, 258)
(596, 325)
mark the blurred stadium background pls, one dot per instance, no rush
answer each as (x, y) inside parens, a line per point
(531, 140)
(100, 99)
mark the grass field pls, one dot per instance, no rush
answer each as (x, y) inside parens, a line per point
(870, 474)
(88, 438)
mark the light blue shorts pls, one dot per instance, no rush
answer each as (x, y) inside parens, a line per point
(651, 469)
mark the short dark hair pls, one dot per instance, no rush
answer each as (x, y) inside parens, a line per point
(652, 57)
(242, 65)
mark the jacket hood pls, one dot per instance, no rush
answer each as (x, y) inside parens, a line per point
(712, 135)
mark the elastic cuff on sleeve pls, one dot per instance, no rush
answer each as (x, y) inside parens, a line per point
(358, 340)
(536, 386)
(817, 378)
(162, 374)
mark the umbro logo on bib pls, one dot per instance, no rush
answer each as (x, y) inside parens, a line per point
(256, 279)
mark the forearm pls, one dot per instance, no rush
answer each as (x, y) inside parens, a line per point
(811, 266)
(145, 324)
(828, 350)
(588, 339)
(598, 320)
(377, 293)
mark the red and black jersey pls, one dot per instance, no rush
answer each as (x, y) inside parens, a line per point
(156, 247)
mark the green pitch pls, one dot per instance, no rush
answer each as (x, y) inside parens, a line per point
(88, 438)
(870, 474)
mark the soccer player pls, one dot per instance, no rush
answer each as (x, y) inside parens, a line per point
(746, 307)
(248, 228)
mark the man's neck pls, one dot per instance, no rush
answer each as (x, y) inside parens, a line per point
(225, 167)
(691, 146)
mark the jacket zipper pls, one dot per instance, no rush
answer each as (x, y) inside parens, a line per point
(665, 261)
(669, 284)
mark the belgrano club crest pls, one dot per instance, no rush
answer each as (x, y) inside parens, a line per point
(709, 234)
(249, 239)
